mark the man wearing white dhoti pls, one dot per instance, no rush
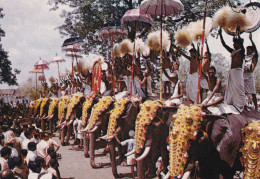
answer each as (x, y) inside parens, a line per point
(251, 60)
(235, 91)
(175, 99)
(213, 95)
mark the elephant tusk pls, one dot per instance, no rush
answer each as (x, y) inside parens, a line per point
(167, 175)
(130, 153)
(84, 130)
(110, 138)
(69, 123)
(94, 129)
(103, 137)
(146, 152)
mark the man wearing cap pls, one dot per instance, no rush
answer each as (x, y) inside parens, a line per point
(235, 88)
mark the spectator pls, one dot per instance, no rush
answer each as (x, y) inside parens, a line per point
(26, 140)
(31, 152)
(42, 147)
(5, 155)
(52, 168)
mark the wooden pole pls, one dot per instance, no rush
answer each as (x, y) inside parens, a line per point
(161, 53)
(201, 53)
(133, 59)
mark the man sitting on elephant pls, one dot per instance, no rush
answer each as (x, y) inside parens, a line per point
(213, 96)
(175, 99)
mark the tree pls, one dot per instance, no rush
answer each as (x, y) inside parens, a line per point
(6, 74)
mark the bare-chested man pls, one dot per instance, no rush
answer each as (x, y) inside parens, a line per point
(251, 60)
(166, 65)
(175, 99)
(213, 95)
(235, 90)
(192, 80)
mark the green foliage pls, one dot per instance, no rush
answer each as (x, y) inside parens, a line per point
(6, 74)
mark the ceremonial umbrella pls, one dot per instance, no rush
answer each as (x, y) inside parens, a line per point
(111, 31)
(135, 18)
(58, 59)
(72, 46)
(161, 8)
(36, 71)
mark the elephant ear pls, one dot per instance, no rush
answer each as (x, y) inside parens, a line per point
(131, 113)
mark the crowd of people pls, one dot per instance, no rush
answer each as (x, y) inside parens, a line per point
(27, 152)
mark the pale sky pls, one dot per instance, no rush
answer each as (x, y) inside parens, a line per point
(31, 34)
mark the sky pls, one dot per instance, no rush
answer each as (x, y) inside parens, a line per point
(31, 34)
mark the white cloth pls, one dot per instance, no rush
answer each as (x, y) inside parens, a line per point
(52, 143)
(192, 87)
(235, 89)
(30, 156)
(75, 125)
(87, 89)
(204, 83)
(102, 87)
(127, 80)
(164, 77)
(214, 98)
(79, 128)
(14, 153)
(149, 85)
(130, 146)
(248, 61)
(121, 95)
(223, 109)
(52, 171)
(25, 143)
(41, 149)
(249, 81)
(33, 175)
(176, 101)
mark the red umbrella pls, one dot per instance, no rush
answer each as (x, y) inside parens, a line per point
(41, 64)
(135, 18)
(161, 8)
(58, 59)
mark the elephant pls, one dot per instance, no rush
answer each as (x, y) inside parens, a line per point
(98, 129)
(219, 152)
(73, 111)
(44, 108)
(126, 122)
(155, 144)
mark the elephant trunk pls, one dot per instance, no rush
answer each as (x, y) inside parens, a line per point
(86, 144)
(145, 153)
(69, 131)
(92, 151)
(113, 158)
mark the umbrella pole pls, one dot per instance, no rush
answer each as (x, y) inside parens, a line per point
(72, 77)
(113, 70)
(161, 70)
(133, 59)
(36, 86)
(201, 53)
(59, 79)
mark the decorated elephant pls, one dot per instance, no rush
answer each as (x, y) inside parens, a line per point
(74, 110)
(90, 101)
(151, 132)
(44, 108)
(215, 143)
(121, 121)
(97, 126)
(52, 117)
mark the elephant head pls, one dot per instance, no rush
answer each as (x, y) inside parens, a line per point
(36, 109)
(151, 132)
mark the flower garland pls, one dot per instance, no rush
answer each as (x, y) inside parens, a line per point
(144, 118)
(52, 106)
(185, 124)
(62, 106)
(44, 102)
(86, 105)
(115, 114)
(75, 99)
(37, 104)
(98, 108)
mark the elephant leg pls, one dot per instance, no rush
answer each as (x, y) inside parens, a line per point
(112, 146)
(42, 125)
(62, 135)
(140, 169)
(68, 134)
(92, 151)
(51, 126)
(86, 144)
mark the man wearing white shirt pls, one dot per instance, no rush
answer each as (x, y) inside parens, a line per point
(42, 147)
(31, 155)
(27, 139)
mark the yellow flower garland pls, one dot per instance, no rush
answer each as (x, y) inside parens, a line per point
(144, 118)
(97, 110)
(185, 124)
(115, 114)
(73, 102)
(86, 105)
(44, 102)
(37, 104)
(52, 106)
(62, 106)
